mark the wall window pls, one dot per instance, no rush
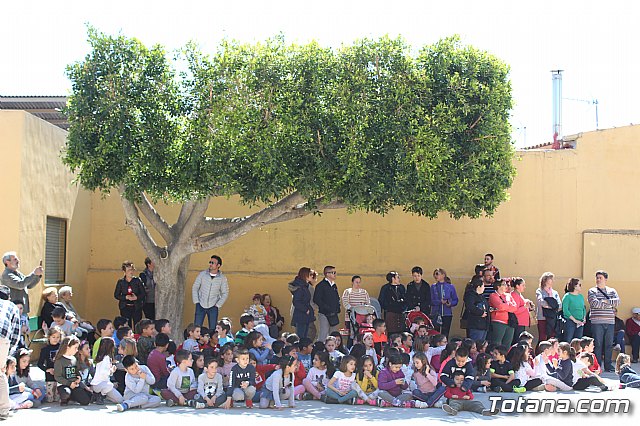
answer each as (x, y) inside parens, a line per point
(56, 251)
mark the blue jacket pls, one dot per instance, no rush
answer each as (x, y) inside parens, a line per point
(441, 291)
(301, 302)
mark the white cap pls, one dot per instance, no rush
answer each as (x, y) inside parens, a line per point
(635, 311)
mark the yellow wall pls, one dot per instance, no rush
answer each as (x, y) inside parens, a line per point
(553, 200)
(557, 201)
(43, 188)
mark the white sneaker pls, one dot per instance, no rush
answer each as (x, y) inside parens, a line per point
(439, 403)
(617, 347)
(200, 405)
(421, 404)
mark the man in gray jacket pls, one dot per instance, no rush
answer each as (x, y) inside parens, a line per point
(210, 291)
(17, 281)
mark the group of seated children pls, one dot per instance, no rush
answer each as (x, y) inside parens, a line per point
(216, 368)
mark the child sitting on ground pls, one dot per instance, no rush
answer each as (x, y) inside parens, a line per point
(318, 377)
(247, 324)
(209, 347)
(101, 383)
(127, 347)
(137, 382)
(524, 374)
(367, 340)
(255, 343)
(210, 387)
(181, 384)
(305, 347)
(193, 335)
(462, 400)
(379, 335)
(279, 386)
(242, 381)
(146, 341)
(561, 372)
(104, 327)
(223, 329)
(36, 388)
(392, 385)
(424, 377)
(628, 377)
(583, 377)
(226, 364)
(503, 378)
(157, 362)
(330, 344)
(341, 387)
(587, 345)
(70, 388)
(483, 373)
(20, 397)
(68, 327)
(367, 381)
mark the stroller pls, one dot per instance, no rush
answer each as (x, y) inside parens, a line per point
(412, 315)
(358, 316)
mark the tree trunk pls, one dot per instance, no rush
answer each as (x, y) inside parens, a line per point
(170, 276)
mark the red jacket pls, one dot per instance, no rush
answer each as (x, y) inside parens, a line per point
(300, 375)
(261, 372)
(523, 311)
(631, 328)
(457, 391)
(503, 304)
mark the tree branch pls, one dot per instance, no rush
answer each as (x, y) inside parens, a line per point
(133, 221)
(244, 225)
(194, 219)
(185, 213)
(211, 225)
(155, 219)
(302, 211)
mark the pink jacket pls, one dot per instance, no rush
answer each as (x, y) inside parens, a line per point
(523, 311)
(503, 304)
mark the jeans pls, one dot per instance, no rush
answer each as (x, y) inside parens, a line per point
(476, 334)
(603, 342)
(211, 313)
(342, 398)
(572, 331)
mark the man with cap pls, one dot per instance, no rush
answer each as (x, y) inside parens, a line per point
(9, 337)
(632, 328)
(17, 281)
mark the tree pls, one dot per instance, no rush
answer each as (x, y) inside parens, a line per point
(292, 129)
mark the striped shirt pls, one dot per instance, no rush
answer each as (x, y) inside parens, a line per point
(602, 306)
(354, 297)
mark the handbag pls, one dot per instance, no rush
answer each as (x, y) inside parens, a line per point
(513, 320)
(333, 319)
(533, 318)
(463, 317)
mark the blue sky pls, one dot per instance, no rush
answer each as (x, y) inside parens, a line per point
(596, 43)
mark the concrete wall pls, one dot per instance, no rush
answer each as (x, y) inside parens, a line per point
(37, 185)
(556, 196)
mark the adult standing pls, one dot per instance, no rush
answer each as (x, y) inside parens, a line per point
(393, 303)
(573, 310)
(632, 328)
(418, 292)
(9, 338)
(327, 298)
(603, 300)
(146, 276)
(210, 291)
(523, 306)
(354, 296)
(130, 294)
(300, 289)
(546, 323)
(476, 310)
(443, 299)
(489, 281)
(502, 305)
(17, 281)
(488, 266)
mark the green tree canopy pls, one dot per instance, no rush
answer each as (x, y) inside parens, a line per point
(290, 128)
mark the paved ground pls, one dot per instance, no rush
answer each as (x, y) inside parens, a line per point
(316, 413)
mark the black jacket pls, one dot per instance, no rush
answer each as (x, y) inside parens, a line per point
(121, 291)
(393, 298)
(302, 309)
(327, 298)
(421, 298)
(474, 306)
